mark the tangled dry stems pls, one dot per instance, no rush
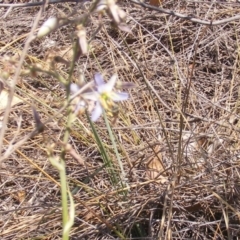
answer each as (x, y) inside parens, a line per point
(197, 194)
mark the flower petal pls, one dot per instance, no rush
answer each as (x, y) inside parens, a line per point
(125, 85)
(116, 97)
(96, 112)
(81, 105)
(94, 96)
(99, 79)
(108, 87)
(74, 87)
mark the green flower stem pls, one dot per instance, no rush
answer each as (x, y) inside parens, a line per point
(107, 161)
(63, 181)
(67, 220)
(123, 174)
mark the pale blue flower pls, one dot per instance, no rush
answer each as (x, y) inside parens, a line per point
(100, 94)
(104, 96)
(79, 105)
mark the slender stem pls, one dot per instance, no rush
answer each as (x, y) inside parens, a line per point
(123, 174)
(63, 177)
(106, 158)
(63, 181)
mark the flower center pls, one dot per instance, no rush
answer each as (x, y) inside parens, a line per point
(106, 101)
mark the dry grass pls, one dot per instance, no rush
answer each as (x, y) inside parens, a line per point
(189, 188)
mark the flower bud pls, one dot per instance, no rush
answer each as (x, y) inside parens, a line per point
(47, 27)
(81, 33)
(102, 5)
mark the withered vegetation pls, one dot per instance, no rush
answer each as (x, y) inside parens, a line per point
(178, 135)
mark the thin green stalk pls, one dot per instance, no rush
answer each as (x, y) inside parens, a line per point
(123, 174)
(71, 216)
(67, 223)
(63, 178)
(104, 154)
(63, 181)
